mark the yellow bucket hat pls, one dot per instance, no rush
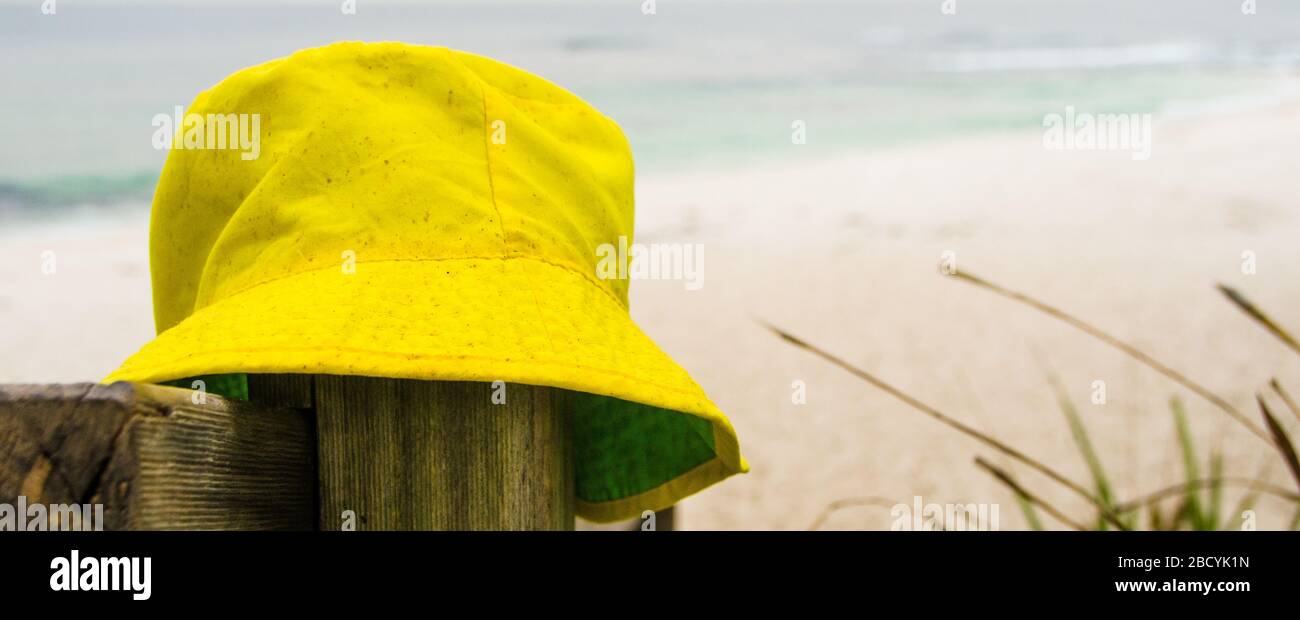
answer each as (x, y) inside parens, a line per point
(423, 213)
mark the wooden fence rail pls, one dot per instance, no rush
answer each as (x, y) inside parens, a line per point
(157, 457)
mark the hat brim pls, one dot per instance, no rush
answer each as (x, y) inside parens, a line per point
(645, 437)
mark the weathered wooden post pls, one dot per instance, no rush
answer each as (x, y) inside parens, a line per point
(398, 454)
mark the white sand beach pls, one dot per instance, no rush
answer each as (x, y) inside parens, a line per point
(844, 252)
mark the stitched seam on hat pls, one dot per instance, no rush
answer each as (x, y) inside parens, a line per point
(487, 166)
(579, 101)
(407, 356)
(492, 188)
(585, 276)
(225, 226)
(485, 85)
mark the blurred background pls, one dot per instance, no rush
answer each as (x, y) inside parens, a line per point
(923, 136)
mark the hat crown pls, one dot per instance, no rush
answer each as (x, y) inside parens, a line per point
(386, 152)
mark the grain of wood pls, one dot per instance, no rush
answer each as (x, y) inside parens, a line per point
(283, 390)
(435, 455)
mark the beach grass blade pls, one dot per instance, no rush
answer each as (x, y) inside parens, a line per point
(949, 421)
(1191, 504)
(848, 502)
(1080, 435)
(1280, 439)
(1286, 398)
(1212, 510)
(1263, 319)
(1122, 346)
(1031, 515)
(1026, 497)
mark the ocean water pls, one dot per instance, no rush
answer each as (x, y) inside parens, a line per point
(696, 86)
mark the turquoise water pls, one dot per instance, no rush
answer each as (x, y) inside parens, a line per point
(698, 85)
